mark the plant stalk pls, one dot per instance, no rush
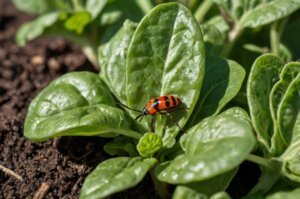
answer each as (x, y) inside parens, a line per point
(160, 187)
(91, 55)
(203, 9)
(275, 39)
(261, 161)
(76, 5)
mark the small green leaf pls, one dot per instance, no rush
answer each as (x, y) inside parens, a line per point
(263, 76)
(149, 144)
(285, 194)
(166, 56)
(269, 12)
(42, 6)
(207, 188)
(228, 134)
(183, 192)
(36, 28)
(77, 21)
(75, 104)
(112, 59)
(115, 175)
(222, 81)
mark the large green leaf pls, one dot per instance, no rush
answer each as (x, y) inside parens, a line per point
(166, 56)
(263, 75)
(289, 123)
(229, 134)
(42, 6)
(269, 12)
(285, 194)
(75, 104)
(289, 72)
(222, 81)
(115, 175)
(112, 59)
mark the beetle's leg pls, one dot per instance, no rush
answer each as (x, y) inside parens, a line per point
(153, 124)
(172, 119)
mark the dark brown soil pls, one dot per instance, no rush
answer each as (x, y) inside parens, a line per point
(60, 164)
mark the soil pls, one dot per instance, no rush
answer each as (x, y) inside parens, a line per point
(57, 166)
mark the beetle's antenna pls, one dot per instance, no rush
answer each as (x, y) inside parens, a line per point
(129, 107)
(140, 116)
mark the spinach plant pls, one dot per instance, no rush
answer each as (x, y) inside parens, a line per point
(169, 52)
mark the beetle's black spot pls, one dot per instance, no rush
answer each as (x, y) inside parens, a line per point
(173, 100)
(167, 101)
(155, 104)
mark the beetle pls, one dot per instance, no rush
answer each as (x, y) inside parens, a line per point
(162, 104)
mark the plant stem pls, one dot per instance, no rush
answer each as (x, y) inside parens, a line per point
(275, 38)
(160, 187)
(90, 53)
(261, 161)
(203, 9)
(76, 5)
(233, 37)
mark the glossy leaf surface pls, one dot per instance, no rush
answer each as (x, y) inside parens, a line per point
(112, 59)
(263, 76)
(222, 81)
(115, 175)
(166, 56)
(229, 134)
(75, 104)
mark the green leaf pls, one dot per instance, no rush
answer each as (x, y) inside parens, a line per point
(115, 175)
(222, 81)
(220, 23)
(285, 194)
(112, 59)
(42, 6)
(289, 123)
(263, 75)
(36, 28)
(213, 39)
(228, 134)
(149, 144)
(166, 56)
(95, 7)
(207, 188)
(289, 73)
(77, 21)
(269, 12)
(75, 104)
